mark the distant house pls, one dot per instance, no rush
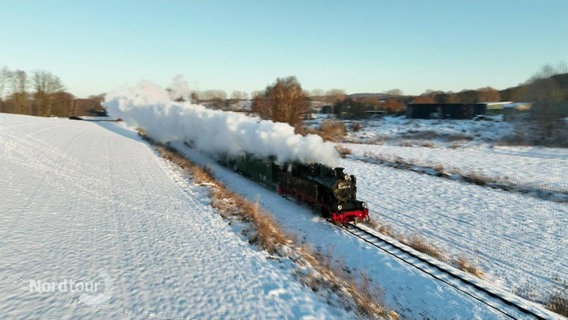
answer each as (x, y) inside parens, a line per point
(445, 110)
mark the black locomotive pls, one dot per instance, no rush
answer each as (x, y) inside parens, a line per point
(330, 189)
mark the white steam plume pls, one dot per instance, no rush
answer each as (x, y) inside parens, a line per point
(213, 132)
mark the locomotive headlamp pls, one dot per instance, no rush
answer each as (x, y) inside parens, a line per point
(339, 207)
(364, 204)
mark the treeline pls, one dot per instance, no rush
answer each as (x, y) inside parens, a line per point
(40, 93)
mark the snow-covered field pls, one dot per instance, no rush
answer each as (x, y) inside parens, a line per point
(529, 167)
(519, 241)
(93, 224)
(481, 153)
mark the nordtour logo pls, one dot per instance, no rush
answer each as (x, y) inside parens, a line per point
(93, 292)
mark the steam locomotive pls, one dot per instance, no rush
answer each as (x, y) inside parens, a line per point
(331, 190)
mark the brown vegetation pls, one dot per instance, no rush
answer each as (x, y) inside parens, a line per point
(284, 101)
(419, 244)
(343, 151)
(558, 302)
(332, 130)
(464, 264)
(356, 126)
(48, 97)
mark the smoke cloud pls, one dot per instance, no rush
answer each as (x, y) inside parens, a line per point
(213, 132)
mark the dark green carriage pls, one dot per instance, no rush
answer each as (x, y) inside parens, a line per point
(264, 171)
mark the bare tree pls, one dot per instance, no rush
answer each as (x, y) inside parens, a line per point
(468, 96)
(284, 101)
(488, 94)
(394, 92)
(542, 86)
(316, 93)
(549, 96)
(239, 95)
(19, 96)
(5, 77)
(45, 81)
(212, 94)
(393, 105)
(335, 95)
(424, 98)
(46, 85)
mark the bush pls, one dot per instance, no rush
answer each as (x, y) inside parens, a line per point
(419, 244)
(343, 151)
(558, 302)
(356, 126)
(332, 130)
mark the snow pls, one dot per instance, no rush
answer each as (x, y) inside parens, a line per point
(519, 241)
(535, 167)
(442, 133)
(89, 202)
(91, 206)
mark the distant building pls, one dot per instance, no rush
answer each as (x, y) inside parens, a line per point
(445, 110)
(326, 109)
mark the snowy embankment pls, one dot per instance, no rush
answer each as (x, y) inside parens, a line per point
(94, 224)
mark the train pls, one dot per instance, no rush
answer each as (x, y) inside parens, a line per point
(331, 190)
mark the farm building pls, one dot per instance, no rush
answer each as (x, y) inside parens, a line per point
(445, 110)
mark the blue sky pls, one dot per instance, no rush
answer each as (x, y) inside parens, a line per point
(98, 46)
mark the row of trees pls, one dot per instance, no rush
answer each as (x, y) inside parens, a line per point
(41, 94)
(486, 94)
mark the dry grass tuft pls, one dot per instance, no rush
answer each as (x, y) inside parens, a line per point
(419, 244)
(464, 264)
(343, 151)
(428, 144)
(356, 126)
(477, 178)
(439, 168)
(381, 227)
(341, 281)
(332, 130)
(558, 302)
(202, 175)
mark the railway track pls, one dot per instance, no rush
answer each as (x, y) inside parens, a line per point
(505, 303)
